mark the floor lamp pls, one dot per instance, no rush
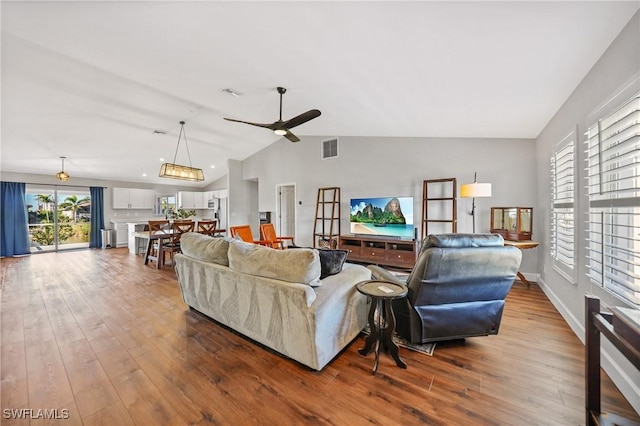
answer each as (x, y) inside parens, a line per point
(475, 190)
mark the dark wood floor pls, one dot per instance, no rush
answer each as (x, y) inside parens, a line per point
(97, 333)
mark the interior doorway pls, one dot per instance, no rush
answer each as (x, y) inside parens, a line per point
(285, 220)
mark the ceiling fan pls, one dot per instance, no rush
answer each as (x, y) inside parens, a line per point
(282, 128)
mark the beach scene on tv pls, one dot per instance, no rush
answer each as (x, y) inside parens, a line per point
(383, 216)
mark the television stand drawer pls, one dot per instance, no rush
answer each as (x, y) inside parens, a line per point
(373, 254)
(401, 256)
(352, 251)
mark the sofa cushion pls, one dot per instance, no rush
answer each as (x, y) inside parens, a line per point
(205, 248)
(296, 266)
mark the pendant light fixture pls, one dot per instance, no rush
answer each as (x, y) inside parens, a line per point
(177, 171)
(62, 175)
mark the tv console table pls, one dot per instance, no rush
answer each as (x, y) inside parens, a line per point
(380, 251)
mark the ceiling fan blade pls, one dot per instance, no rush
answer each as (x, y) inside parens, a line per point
(291, 136)
(267, 126)
(301, 119)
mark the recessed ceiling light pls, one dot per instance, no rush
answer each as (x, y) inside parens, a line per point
(213, 167)
(144, 174)
(162, 159)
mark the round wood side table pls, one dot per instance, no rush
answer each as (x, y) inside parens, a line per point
(383, 325)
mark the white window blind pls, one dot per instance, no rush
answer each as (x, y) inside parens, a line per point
(562, 240)
(613, 151)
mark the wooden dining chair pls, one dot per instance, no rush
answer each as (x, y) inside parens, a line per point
(207, 227)
(157, 230)
(268, 232)
(244, 233)
(172, 244)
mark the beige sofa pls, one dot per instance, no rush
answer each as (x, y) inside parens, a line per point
(274, 297)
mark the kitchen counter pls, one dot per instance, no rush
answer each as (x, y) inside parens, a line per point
(124, 226)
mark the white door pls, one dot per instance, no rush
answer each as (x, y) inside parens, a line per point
(286, 221)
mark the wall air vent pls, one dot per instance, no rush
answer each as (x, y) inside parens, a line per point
(329, 148)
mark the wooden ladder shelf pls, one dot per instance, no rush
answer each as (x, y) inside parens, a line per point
(326, 228)
(439, 206)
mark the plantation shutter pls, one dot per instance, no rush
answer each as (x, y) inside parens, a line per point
(613, 151)
(562, 242)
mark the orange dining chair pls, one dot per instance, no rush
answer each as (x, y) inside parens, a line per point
(244, 233)
(268, 232)
(178, 228)
(207, 227)
(157, 230)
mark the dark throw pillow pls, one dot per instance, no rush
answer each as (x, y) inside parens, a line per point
(331, 262)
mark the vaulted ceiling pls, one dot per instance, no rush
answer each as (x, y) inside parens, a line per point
(106, 83)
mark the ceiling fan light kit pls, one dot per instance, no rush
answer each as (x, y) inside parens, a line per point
(280, 127)
(177, 171)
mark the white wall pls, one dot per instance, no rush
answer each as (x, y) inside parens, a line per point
(370, 167)
(615, 70)
(243, 199)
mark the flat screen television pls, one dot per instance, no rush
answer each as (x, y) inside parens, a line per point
(382, 216)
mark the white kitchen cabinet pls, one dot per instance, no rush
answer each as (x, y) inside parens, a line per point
(199, 200)
(220, 193)
(142, 198)
(133, 198)
(121, 198)
(206, 197)
(192, 200)
(186, 200)
(122, 234)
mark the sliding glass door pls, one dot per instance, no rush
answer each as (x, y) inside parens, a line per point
(58, 217)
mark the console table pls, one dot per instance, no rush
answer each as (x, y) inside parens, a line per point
(380, 251)
(522, 245)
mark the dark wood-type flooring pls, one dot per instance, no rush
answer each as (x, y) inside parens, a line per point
(99, 334)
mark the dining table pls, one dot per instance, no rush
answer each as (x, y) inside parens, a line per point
(159, 259)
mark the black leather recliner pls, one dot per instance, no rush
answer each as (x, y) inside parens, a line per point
(457, 287)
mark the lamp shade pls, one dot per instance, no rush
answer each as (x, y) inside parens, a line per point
(177, 171)
(475, 190)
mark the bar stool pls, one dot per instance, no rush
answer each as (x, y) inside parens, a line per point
(157, 229)
(141, 243)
